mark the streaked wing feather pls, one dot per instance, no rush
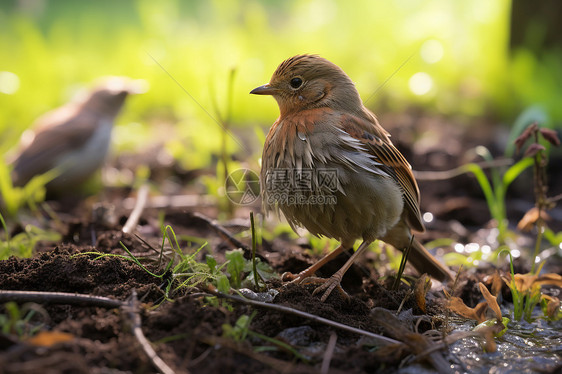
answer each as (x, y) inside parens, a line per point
(378, 143)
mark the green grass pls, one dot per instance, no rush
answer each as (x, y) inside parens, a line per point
(56, 50)
(23, 243)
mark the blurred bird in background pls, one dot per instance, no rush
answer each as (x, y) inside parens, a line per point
(73, 140)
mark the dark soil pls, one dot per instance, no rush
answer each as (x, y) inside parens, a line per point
(188, 330)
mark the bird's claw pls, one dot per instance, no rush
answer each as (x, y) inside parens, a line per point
(291, 278)
(326, 286)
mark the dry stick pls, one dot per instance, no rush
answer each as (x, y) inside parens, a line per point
(449, 174)
(174, 201)
(296, 312)
(222, 232)
(59, 298)
(132, 310)
(329, 353)
(142, 196)
(98, 301)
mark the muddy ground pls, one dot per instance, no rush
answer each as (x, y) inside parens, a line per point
(187, 329)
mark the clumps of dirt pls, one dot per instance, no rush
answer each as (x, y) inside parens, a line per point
(62, 270)
(197, 327)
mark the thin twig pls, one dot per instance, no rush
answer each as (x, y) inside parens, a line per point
(299, 313)
(132, 310)
(329, 353)
(223, 232)
(449, 174)
(133, 220)
(174, 201)
(42, 297)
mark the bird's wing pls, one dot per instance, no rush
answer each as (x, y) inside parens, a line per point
(377, 142)
(52, 142)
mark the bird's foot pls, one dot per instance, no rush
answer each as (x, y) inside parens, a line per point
(291, 278)
(326, 286)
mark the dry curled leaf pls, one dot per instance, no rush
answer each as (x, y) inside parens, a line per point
(551, 136)
(50, 338)
(526, 134)
(422, 286)
(478, 313)
(551, 279)
(530, 218)
(491, 300)
(488, 333)
(533, 149)
(495, 282)
(523, 282)
(553, 306)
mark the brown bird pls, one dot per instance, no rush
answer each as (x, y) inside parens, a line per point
(330, 167)
(72, 140)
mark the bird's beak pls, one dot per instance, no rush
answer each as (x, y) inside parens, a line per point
(137, 86)
(266, 89)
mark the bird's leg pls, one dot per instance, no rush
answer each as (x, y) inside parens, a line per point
(335, 280)
(308, 272)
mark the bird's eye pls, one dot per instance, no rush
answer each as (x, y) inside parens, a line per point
(296, 82)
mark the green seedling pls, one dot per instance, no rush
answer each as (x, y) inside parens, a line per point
(17, 320)
(241, 330)
(495, 191)
(23, 244)
(526, 292)
(13, 198)
(235, 267)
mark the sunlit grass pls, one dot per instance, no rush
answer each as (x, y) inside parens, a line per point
(458, 49)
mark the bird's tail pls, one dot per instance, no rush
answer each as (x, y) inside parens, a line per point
(424, 262)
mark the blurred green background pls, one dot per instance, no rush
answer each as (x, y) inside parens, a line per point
(455, 58)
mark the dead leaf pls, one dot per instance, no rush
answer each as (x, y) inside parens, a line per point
(50, 338)
(523, 282)
(477, 313)
(488, 333)
(530, 218)
(526, 134)
(420, 290)
(495, 282)
(533, 149)
(551, 136)
(553, 306)
(551, 279)
(491, 300)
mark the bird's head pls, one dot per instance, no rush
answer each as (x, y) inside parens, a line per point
(309, 81)
(109, 95)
